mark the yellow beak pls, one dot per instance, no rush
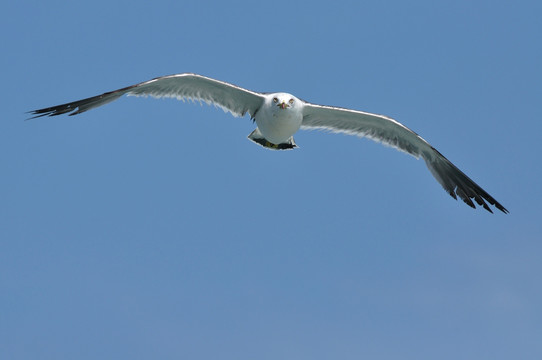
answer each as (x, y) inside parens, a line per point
(283, 105)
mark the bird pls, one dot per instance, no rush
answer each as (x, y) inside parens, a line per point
(279, 115)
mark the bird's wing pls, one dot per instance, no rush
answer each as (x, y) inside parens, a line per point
(390, 132)
(230, 98)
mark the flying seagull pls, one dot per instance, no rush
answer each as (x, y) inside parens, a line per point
(279, 116)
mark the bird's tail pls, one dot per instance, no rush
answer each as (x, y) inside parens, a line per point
(257, 137)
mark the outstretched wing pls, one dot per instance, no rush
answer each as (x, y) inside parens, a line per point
(390, 132)
(229, 97)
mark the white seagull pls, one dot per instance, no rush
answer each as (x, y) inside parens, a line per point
(279, 116)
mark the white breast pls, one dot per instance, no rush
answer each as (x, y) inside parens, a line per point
(278, 125)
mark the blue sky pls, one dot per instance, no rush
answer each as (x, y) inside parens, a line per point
(155, 229)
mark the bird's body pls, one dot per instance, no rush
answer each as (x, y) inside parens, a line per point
(279, 116)
(276, 124)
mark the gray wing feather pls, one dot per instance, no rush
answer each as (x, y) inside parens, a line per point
(376, 127)
(229, 97)
(390, 132)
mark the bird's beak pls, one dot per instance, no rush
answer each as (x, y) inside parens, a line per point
(283, 105)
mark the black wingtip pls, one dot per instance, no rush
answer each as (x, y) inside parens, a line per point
(33, 112)
(459, 185)
(52, 111)
(502, 208)
(36, 114)
(80, 106)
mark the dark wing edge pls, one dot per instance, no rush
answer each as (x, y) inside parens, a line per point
(80, 106)
(457, 184)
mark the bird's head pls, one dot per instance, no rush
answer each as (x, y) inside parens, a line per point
(283, 101)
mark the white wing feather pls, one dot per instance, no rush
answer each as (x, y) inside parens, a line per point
(229, 97)
(376, 127)
(239, 101)
(390, 132)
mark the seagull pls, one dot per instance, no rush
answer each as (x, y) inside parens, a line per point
(280, 115)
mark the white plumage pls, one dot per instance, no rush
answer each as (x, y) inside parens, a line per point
(279, 116)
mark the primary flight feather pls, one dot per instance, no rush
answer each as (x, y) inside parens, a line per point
(279, 116)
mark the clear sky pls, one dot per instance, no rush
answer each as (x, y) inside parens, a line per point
(153, 229)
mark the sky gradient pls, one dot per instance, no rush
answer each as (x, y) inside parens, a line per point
(154, 229)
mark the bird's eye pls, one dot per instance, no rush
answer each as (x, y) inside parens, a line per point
(275, 100)
(291, 101)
